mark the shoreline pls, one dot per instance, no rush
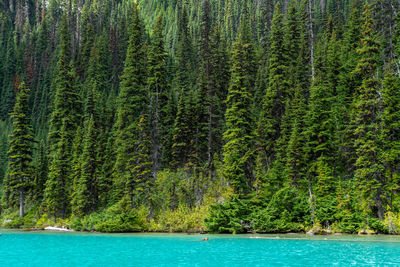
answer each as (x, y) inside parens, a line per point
(283, 236)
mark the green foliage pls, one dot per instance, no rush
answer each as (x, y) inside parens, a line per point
(366, 119)
(288, 116)
(230, 217)
(239, 136)
(64, 121)
(118, 218)
(286, 212)
(182, 219)
(19, 179)
(132, 103)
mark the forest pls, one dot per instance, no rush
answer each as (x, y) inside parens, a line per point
(232, 116)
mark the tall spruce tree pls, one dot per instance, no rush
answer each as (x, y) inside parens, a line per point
(64, 121)
(204, 131)
(85, 191)
(159, 91)
(239, 137)
(20, 176)
(366, 120)
(132, 102)
(390, 137)
(269, 128)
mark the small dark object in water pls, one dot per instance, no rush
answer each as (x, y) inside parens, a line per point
(204, 239)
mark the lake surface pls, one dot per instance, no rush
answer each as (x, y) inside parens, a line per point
(87, 249)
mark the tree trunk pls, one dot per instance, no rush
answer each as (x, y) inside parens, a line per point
(311, 39)
(21, 203)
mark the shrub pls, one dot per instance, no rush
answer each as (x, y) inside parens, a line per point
(231, 217)
(286, 212)
(115, 219)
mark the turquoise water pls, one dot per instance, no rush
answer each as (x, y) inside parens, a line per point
(77, 249)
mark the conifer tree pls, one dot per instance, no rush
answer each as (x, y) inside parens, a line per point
(20, 176)
(140, 166)
(180, 139)
(292, 42)
(273, 108)
(390, 136)
(159, 94)
(76, 165)
(66, 104)
(56, 192)
(85, 197)
(64, 121)
(9, 71)
(218, 87)
(366, 120)
(204, 134)
(295, 158)
(184, 53)
(132, 102)
(238, 148)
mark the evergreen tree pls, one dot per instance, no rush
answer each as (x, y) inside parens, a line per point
(390, 137)
(204, 133)
(9, 75)
(64, 121)
(238, 149)
(140, 167)
(20, 176)
(184, 53)
(295, 157)
(56, 192)
(181, 138)
(85, 197)
(273, 108)
(366, 120)
(132, 102)
(159, 93)
(66, 100)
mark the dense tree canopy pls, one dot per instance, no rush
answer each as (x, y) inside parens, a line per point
(231, 115)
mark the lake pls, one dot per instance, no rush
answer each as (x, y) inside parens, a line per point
(88, 249)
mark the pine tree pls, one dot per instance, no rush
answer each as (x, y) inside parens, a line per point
(66, 100)
(181, 138)
(238, 149)
(64, 121)
(85, 197)
(390, 136)
(56, 192)
(159, 94)
(273, 108)
(325, 200)
(185, 60)
(76, 165)
(366, 120)
(20, 176)
(204, 134)
(9, 74)
(132, 102)
(295, 157)
(140, 166)
(218, 87)
(351, 42)
(292, 42)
